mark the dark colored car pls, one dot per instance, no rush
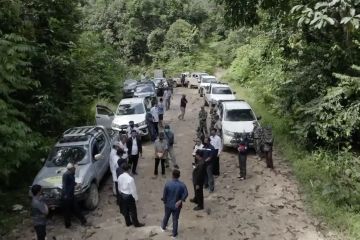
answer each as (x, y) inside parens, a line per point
(129, 88)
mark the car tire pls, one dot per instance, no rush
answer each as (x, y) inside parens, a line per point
(92, 199)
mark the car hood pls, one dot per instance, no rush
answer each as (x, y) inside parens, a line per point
(125, 119)
(144, 94)
(204, 84)
(218, 97)
(51, 177)
(238, 127)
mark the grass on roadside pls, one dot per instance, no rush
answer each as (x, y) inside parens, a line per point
(307, 171)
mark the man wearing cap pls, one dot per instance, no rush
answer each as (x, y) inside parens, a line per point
(169, 135)
(134, 146)
(132, 127)
(69, 203)
(128, 195)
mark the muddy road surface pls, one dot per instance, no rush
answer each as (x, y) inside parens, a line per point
(267, 206)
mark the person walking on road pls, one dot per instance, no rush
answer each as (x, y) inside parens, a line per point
(208, 155)
(175, 193)
(161, 111)
(243, 151)
(69, 203)
(183, 103)
(216, 142)
(39, 210)
(198, 178)
(167, 98)
(155, 114)
(134, 146)
(161, 149)
(170, 138)
(128, 194)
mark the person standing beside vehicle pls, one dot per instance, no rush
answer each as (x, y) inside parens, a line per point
(183, 103)
(202, 121)
(128, 195)
(167, 98)
(257, 139)
(198, 178)
(243, 151)
(39, 210)
(216, 142)
(134, 147)
(170, 138)
(161, 147)
(208, 155)
(155, 114)
(150, 125)
(174, 194)
(69, 203)
(113, 165)
(130, 128)
(161, 110)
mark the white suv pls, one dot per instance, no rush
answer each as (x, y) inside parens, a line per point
(236, 117)
(205, 83)
(129, 109)
(218, 92)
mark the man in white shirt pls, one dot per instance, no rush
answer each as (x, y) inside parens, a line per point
(216, 142)
(113, 165)
(155, 114)
(167, 98)
(128, 194)
(198, 146)
(134, 147)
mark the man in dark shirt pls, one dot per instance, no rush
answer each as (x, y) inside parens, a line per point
(69, 203)
(198, 180)
(134, 146)
(175, 192)
(183, 103)
(209, 155)
(39, 210)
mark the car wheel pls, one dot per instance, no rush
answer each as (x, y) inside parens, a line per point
(93, 197)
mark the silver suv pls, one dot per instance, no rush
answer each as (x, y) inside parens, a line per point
(89, 149)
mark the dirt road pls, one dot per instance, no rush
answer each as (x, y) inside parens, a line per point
(264, 207)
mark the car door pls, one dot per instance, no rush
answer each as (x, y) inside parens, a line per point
(104, 116)
(100, 146)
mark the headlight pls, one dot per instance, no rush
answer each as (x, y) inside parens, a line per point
(113, 125)
(226, 132)
(132, 90)
(141, 123)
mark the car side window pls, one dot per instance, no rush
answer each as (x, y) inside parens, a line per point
(98, 144)
(104, 111)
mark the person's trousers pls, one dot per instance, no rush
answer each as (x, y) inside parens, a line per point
(129, 210)
(156, 128)
(182, 113)
(257, 143)
(118, 197)
(71, 207)
(216, 163)
(133, 160)
(199, 195)
(167, 103)
(209, 177)
(171, 155)
(269, 160)
(242, 165)
(40, 232)
(157, 161)
(175, 219)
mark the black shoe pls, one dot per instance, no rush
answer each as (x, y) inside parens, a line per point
(193, 200)
(176, 166)
(197, 208)
(129, 224)
(135, 173)
(139, 225)
(167, 165)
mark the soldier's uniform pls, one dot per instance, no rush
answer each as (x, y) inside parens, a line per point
(267, 142)
(257, 139)
(202, 121)
(213, 113)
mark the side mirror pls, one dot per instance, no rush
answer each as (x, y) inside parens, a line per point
(98, 157)
(259, 118)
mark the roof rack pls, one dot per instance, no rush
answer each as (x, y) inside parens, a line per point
(236, 100)
(81, 131)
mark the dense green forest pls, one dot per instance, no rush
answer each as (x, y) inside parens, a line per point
(297, 60)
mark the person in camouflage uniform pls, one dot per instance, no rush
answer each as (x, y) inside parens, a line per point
(213, 113)
(202, 120)
(267, 143)
(257, 139)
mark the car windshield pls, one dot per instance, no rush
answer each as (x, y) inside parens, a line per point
(238, 115)
(130, 83)
(209, 80)
(144, 89)
(61, 156)
(129, 109)
(221, 90)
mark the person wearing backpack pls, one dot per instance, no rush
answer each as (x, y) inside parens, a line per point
(243, 151)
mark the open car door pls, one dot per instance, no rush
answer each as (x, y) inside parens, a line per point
(104, 116)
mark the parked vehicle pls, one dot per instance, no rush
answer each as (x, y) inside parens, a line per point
(194, 79)
(104, 116)
(129, 88)
(89, 149)
(205, 83)
(145, 89)
(217, 92)
(236, 117)
(132, 109)
(160, 85)
(178, 79)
